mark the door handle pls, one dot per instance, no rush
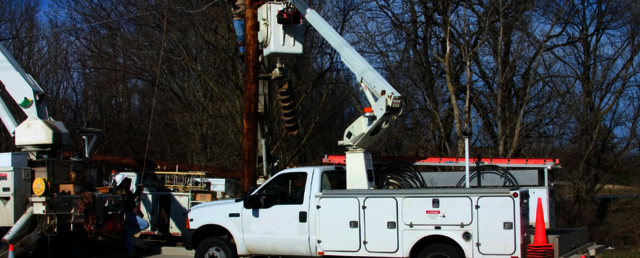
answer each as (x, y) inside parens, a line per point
(302, 217)
(507, 225)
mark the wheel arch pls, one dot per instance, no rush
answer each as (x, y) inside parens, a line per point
(205, 231)
(431, 240)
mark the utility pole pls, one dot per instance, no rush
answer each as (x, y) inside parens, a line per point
(250, 110)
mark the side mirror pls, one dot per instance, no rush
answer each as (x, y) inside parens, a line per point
(247, 200)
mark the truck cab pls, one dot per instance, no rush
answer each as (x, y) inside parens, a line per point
(273, 219)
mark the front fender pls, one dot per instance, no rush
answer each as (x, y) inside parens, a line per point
(218, 218)
(205, 231)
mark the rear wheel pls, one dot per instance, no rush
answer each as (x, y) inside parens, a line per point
(215, 247)
(441, 251)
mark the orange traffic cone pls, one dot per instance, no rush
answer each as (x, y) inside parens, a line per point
(11, 255)
(541, 232)
(540, 248)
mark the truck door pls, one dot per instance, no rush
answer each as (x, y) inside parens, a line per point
(279, 226)
(496, 225)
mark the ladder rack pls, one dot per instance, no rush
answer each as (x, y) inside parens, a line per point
(177, 180)
(453, 161)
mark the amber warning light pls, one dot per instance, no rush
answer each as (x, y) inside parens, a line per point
(368, 112)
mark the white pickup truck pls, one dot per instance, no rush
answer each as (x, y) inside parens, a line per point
(307, 212)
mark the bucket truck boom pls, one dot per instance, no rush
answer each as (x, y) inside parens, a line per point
(385, 102)
(42, 193)
(38, 131)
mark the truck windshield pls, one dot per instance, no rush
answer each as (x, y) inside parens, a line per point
(333, 180)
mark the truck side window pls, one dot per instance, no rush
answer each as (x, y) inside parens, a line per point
(333, 180)
(284, 189)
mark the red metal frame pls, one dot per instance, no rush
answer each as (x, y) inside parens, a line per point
(449, 161)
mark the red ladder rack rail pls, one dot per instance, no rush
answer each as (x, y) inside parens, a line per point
(453, 161)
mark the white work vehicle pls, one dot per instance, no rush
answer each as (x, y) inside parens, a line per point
(304, 212)
(165, 207)
(45, 199)
(309, 212)
(334, 210)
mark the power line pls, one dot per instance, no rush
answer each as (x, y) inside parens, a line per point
(108, 21)
(199, 10)
(155, 92)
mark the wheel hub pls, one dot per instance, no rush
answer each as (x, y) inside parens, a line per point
(215, 252)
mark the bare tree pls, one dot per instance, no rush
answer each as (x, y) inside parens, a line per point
(600, 82)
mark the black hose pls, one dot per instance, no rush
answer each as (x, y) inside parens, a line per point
(509, 179)
(399, 175)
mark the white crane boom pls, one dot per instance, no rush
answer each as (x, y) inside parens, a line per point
(385, 101)
(38, 132)
(285, 40)
(22, 87)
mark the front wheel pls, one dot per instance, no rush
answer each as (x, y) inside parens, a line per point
(215, 247)
(441, 251)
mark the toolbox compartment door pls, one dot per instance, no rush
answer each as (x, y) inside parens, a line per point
(179, 211)
(381, 225)
(437, 211)
(149, 208)
(339, 224)
(496, 225)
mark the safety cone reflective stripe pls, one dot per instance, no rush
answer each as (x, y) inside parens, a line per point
(11, 255)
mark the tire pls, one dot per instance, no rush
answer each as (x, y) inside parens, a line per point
(215, 247)
(441, 251)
